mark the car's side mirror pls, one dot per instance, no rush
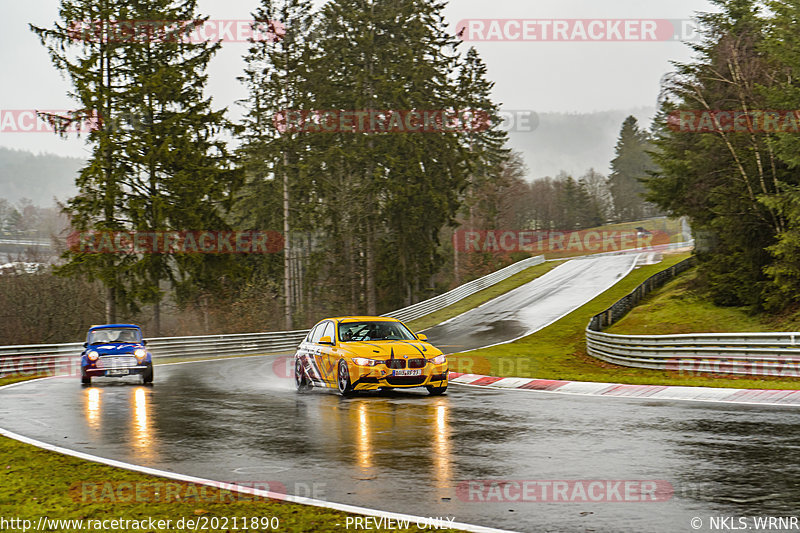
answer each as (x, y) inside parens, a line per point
(422, 336)
(85, 344)
(144, 342)
(326, 340)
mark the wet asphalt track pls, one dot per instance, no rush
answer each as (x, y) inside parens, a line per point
(532, 306)
(240, 420)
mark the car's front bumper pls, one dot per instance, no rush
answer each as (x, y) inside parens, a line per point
(114, 372)
(373, 378)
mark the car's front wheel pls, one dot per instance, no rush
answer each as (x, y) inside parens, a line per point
(436, 391)
(300, 379)
(85, 379)
(343, 379)
(147, 375)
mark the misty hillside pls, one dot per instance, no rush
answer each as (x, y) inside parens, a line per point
(561, 141)
(39, 177)
(574, 142)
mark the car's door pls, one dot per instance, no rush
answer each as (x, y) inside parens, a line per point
(328, 352)
(310, 351)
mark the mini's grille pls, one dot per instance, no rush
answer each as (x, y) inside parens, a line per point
(116, 361)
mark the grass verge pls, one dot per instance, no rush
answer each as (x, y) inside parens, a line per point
(559, 350)
(38, 483)
(462, 306)
(676, 308)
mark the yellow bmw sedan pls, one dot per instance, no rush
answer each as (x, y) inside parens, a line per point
(359, 353)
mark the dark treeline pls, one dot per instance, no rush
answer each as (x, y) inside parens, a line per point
(361, 213)
(739, 183)
(367, 217)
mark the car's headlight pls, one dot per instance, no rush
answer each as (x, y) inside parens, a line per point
(363, 361)
(439, 360)
(92, 355)
(140, 353)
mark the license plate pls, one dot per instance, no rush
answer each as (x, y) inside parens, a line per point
(116, 373)
(408, 372)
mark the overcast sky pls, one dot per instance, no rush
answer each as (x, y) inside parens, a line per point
(541, 76)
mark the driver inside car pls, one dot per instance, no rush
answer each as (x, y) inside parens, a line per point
(126, 336)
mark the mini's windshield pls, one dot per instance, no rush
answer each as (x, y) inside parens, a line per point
(374, 331)
(109, 335)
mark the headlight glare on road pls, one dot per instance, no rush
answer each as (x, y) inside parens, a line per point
(93, 355)
(363, 361)
(140, 353)
(439, 360)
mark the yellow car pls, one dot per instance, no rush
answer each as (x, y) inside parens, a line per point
(359, 353)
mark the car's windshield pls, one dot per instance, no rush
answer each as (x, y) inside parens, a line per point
(374, 331)
(107, 335)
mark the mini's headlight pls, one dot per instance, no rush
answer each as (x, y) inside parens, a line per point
(140, 353)
(363, 361)
(92, 355)
(439, 360)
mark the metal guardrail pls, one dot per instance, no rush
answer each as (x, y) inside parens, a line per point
(63, 358)
(763, 354)
(620, 308)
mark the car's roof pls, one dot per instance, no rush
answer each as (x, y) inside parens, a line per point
(109, 326)
(360, 318)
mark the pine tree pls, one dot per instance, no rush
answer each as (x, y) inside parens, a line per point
(782, 46)
(157, 161)
(631, 165)
(718, 179)
(179, 173)
(274, 155)
(93, 62)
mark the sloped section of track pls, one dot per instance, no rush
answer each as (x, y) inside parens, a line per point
(532, 306)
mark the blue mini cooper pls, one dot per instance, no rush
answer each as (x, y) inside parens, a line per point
(115, 350)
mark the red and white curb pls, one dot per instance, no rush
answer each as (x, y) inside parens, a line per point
(620, 390)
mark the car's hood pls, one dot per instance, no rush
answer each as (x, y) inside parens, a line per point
(381, 349)
(115, 348)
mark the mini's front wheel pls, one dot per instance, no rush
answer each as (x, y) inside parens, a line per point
(147, 375)
(343, 379)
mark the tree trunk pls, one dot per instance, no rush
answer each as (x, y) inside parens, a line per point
(157, 319)
(372, 308)
(111, 305)
(206, 322)
(287, 249)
